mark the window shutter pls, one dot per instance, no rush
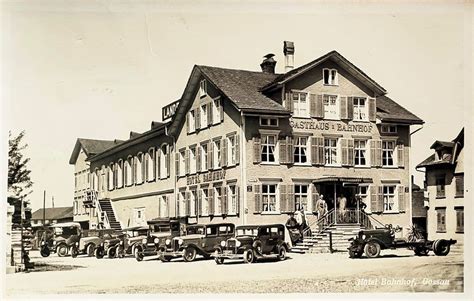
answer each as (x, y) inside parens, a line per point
(197, 118)
(199, 201)
(459, 185)
(168, 161)
(187, 123)
(210, 153)
(224, 152)
(237, 149)
(314, 198)
(350, 150)
(376, 153)
(401, 198)
(283, 198)
(372, 109)
(343, 107)
(317, 150)
(350, 108)
(313, 99)
(258, 198)
(187, 160)
(210, 200)
(221, 109)
(158, 164)
(380, 199)
(290, 198)
(210, 107)
(400, 154)
(289, 101)
(223, 200)
(344, 152)
(188, 203)
(237, 199)
(198, 158)
(134, 170)
(374, 198)
(319, 106)
(176, 161)
(291, 150)
(257, 150)
(283, 159)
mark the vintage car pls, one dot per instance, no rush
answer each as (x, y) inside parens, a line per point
(199, 240)
(123, 244)
(371, 242)
(60, 238)
(90, 239)
(161, 230)
(254, 242)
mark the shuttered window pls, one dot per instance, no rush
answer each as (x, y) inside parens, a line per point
(269, 198)
(459, 219)
(203, 202)
(301, 197)
(440, 186)
(204, 157)
(231, 150)
(301, 150)
(459, 185)
(300, 104)
(120, 173)
(360, 152)
(192, 202)
(389, 198)
(191, 122)
(217, 200)
(192, 160)
(217, 153)
(331, 107)
(360, 109)
(388, 148)
(440, 219)
(204, 114)
(268, 148)
(330, 151)
(217, 111)
(232, 199)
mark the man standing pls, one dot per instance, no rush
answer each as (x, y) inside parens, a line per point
(342, 208)
(321, 209)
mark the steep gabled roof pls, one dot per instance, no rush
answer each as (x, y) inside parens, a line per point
(56, 213)
(91, 147)
(337, 58)
(449, 158)
(439, 143)
(243, 88)
(390, 111)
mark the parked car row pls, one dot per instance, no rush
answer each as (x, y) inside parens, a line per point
(169, 239)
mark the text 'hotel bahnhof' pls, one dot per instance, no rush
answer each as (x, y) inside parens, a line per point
(249, 147)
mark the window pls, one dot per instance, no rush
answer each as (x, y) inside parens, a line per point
(164, 164)
(204, 157)
(459, 185)
(203, 88)
(119, 170)
(182, 162)
(363, 196)
(163, 206)
(182, 203)
(216, 111)
(110, 176)
(192, 160)
(301, 150)
(387, 153)
(204, 201)
(300, 104)
(192, 201)
(269, 197)
(360, 108)
(191, 121)
(268, 148)
(217, 154)
(95, 180)
(232, 200)
(217, 200)
(440, 186)
(388, 129)
(203, 116)
(267, 121)
(128, 171)
(360, 151)
(150, 165)
(330, 76)
(330, 151)
(441, 219)
(389, 204)
(331, 107)
(102, 179)
(301, 197)
(139, 168)
(459, 219)
(231, 150)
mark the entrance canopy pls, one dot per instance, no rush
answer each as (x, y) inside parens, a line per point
(344, 180)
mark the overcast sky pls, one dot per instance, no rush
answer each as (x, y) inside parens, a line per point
(99, 69)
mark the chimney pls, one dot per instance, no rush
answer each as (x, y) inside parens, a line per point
(289, 51)
(268, 64)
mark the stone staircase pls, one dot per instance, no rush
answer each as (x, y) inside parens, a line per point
(106, 206)
(320, 242)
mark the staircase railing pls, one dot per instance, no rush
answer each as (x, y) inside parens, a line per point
(370, 222)
(322, 223)
(102, 215)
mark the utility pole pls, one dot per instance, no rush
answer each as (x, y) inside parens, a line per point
(52, 201)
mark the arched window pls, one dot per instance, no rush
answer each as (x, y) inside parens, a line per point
(95, 180)
(119, 173)
(150, 165)
(110, 177)
(139, 168)
(128, 171)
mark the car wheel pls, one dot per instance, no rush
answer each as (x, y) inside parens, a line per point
(138, 254)
(90, 250)
(165, 258)
(372, 249)
(111, 252)
(249, 256)
(99, 252)
(257, 246)
(189, 254)
(45, 252)
(441, 247)
(281, 253)
(421, 251)
(61, 250)
(74, 252)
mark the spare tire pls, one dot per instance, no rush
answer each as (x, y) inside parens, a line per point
(441, 247)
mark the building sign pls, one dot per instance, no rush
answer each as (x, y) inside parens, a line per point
(331, 126)
(206, 177)
(169, 110)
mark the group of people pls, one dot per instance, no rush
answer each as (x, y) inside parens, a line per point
(297, 225)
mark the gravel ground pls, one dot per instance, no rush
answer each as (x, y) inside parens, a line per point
(395, 271)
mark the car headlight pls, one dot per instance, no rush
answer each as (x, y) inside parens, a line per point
(54, 242)
(144, 240)
(222, 243)
(42, 243)
(238, 244)
(363, 236)
(77, 244)
(121, 242)
(167, 241)
(156, 240)
(180, 241)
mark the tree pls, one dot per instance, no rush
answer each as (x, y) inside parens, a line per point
(19, 182)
